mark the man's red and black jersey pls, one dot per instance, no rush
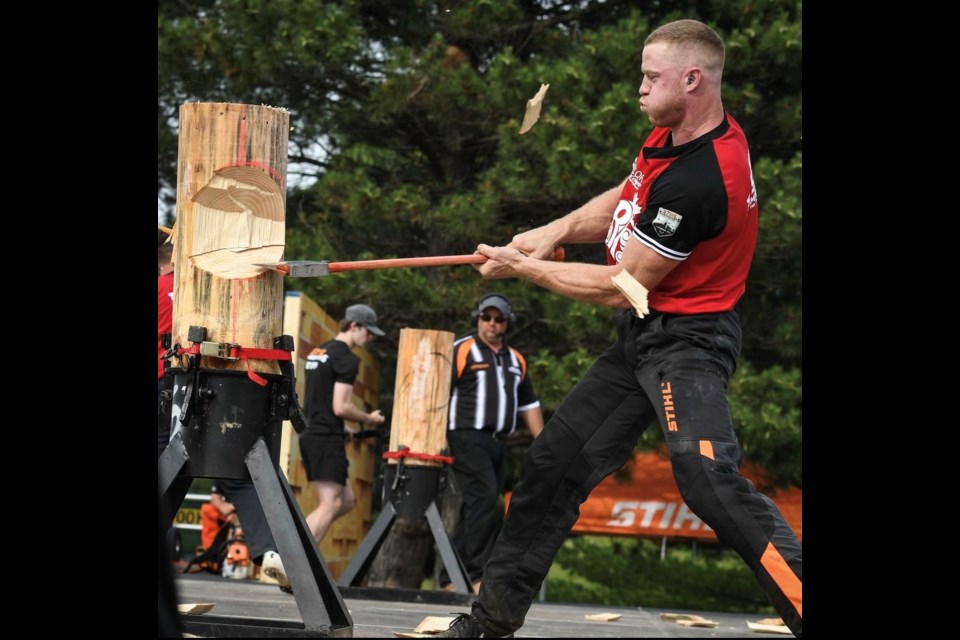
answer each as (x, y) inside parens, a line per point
(697, 203)
(488, 388)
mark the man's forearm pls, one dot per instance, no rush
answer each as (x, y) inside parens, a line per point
(590, 222)
(534, 420)
(351, 412)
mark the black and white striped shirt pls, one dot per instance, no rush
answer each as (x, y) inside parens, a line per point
(488, 389)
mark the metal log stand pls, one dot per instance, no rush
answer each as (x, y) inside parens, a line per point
(409, 492)
(227, 426)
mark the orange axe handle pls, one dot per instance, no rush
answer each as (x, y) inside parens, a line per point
(434, 261)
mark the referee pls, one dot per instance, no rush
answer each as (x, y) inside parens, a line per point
(490, 387)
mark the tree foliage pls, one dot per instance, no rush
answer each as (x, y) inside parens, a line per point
(404, 143)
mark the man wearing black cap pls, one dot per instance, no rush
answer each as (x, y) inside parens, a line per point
(331, 370)
(490, 387)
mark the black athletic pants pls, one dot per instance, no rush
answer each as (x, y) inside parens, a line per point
(674, 368)
(479, 464)
(253, 520)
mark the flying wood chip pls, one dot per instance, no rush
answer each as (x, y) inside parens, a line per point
(532, 114)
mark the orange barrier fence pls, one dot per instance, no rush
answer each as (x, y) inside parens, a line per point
(642, 500)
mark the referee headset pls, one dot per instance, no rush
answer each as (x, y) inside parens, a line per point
(483, 304)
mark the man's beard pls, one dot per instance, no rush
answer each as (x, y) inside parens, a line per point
(668, 114)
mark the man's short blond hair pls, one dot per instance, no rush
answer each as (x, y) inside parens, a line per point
(695, 44)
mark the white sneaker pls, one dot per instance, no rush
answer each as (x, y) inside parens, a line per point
(273, 567)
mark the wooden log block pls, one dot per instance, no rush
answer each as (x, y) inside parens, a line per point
(422, 393)
(231, 194)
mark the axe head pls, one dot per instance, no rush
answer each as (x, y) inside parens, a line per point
(299, 268)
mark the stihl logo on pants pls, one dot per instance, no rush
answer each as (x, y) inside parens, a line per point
(668, 409)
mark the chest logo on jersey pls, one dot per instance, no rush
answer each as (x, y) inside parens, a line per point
(514, 370)
(621, 226)
(481, 365)
(316, 356)
(666, 222)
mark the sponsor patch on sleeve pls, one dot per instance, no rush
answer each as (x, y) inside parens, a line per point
(666, 222)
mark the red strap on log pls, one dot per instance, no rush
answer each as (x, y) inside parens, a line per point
(406, 453)
(236, 352)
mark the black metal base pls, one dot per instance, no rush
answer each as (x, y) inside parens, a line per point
(419, 596)
(210, 626)
(319, 600)
(411, 504)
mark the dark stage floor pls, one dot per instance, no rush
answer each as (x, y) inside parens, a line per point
(378, 618)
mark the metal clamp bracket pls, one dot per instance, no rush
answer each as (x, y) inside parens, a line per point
(218, 350)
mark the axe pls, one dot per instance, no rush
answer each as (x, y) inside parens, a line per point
(319, 268)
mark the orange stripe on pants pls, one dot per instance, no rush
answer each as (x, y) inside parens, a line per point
(781, 573)
(706, 449)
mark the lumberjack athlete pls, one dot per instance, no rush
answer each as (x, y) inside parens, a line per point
(683, 224)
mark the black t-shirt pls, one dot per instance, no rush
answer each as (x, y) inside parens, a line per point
(328, 364)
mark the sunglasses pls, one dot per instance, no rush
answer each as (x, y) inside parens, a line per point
(488, 318)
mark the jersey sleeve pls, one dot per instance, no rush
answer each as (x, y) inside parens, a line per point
(526, 396)
(687, 205)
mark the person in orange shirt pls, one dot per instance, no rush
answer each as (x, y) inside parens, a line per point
(215, 514)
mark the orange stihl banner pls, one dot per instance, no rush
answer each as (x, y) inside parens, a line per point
(642, 500)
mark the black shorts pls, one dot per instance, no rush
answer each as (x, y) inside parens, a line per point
(324, 457)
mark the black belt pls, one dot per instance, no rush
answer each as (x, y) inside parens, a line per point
(492, 434)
